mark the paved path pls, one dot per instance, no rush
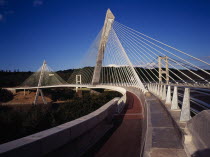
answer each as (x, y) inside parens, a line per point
(165, 138)
(124, 139)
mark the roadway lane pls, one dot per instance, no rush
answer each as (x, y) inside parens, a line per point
(125, 138)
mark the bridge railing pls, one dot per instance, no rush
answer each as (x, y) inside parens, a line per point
(197, 83)
(189, 100)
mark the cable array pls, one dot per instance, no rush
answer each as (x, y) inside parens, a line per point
(130, 58)
(116, 66)
(86, 66)
(49, 78)
(143, 51)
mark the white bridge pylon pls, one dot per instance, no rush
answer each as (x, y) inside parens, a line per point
(107, 61)
(43, 77)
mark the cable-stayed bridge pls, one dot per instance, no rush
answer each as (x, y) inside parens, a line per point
(123, 57)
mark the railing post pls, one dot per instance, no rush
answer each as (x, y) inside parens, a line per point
(158, 90)
(153, 88)
(150, 87)
(161, 92)
(168, 97)
(185, 112)
(174, 105)
(164, 93)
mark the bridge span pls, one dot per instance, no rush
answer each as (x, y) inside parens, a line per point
(164, 110)
(140, 126)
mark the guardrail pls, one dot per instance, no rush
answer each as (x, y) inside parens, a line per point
(187, 101)
(122, 100)
(181, 98)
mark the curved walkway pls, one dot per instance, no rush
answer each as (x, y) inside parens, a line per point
(163, 136)
(125, 137)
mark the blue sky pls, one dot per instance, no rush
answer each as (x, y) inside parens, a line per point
(61, 31)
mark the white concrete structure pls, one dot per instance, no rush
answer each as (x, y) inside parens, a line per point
(185, 113)
(174, 105)
(168, 97)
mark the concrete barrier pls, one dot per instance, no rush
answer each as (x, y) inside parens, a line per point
(11, 90)
(199, 127)
(46, 141)
(122, 101)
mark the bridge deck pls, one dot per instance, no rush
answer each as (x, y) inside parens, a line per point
(164, 135)
(124, 139)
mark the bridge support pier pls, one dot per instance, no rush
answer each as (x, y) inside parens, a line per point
(39, 91)
(161, 71)
(78, 81)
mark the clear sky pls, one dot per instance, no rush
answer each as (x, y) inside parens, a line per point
(61, 31)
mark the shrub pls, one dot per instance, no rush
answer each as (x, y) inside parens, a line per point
(60, 94)
(5, 95)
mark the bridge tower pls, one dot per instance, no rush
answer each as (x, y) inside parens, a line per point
(78, 81)
(39, 91)
(161, 71)
(102, 45)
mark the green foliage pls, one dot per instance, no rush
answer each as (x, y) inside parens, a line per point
(60, 94)
(12, 79)
(16, 78)
(19, 121)
(5, 95)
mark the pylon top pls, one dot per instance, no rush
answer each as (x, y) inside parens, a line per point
(109, 14)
